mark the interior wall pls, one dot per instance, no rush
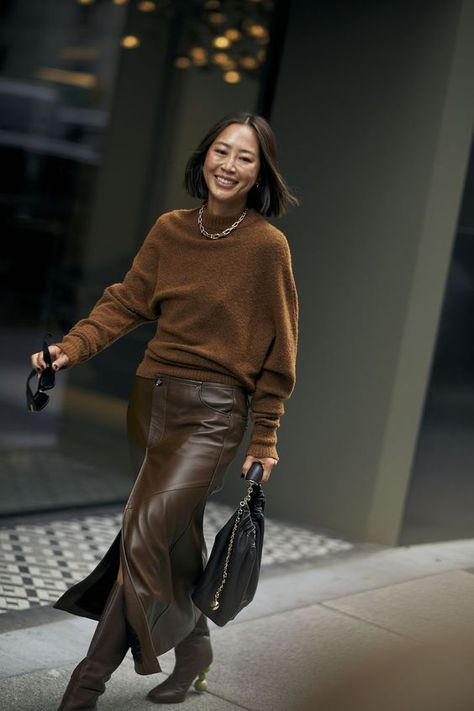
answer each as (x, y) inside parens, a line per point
(374, 110)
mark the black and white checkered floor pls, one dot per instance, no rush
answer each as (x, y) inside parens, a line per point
(39, 561)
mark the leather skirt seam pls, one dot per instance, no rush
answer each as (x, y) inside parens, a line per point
(165, 491)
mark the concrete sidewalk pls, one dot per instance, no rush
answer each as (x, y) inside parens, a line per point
(305, 619)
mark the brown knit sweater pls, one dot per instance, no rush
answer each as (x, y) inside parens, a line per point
(226, 311)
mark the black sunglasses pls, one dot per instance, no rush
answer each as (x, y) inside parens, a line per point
(37, 401)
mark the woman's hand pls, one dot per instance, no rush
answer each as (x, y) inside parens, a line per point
(59, 358)
(268, 464)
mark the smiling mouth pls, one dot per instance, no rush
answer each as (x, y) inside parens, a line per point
(225, 182)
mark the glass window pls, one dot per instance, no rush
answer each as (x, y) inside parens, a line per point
(101, 104)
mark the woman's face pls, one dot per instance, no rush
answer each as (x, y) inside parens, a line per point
(231, 168)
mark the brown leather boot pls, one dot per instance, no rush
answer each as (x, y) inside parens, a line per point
(107, 649)
(193, 658)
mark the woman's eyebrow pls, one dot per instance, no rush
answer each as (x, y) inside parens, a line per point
(242, 150)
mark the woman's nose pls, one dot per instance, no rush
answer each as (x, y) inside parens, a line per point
(229, 163)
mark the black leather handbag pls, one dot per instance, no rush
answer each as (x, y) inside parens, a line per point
(230, 578)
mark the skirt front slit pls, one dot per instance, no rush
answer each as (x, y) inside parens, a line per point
(182, 434)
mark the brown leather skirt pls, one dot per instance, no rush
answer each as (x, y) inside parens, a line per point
(183, 434)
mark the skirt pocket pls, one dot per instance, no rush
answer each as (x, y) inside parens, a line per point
(216, 397)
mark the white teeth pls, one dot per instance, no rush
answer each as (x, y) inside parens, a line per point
(225, 181)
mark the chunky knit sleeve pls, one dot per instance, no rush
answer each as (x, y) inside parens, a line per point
(277, 378)
(121, 308)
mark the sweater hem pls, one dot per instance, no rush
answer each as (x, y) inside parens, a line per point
(152, 369)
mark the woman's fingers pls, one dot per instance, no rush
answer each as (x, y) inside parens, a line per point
(58, 357)
(267, 462)
(37, 362)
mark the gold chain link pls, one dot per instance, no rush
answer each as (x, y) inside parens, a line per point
(217, 235)
(214, 605)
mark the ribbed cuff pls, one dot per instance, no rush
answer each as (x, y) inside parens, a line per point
(263, 442)
(261, 452)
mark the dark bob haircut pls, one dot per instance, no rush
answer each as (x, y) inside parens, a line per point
(273, 196)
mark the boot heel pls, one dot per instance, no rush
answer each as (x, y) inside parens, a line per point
(201, 682)
(193, 659)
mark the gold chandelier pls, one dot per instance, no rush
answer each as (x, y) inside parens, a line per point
(228, 36)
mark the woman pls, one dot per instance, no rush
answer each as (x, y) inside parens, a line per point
(219, 280)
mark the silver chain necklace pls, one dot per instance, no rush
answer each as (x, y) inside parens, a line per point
(217, 235)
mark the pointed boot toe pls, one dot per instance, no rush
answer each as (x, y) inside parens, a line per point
(173, 690)
(193, 659)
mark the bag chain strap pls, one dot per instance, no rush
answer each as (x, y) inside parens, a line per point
(214, 605)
